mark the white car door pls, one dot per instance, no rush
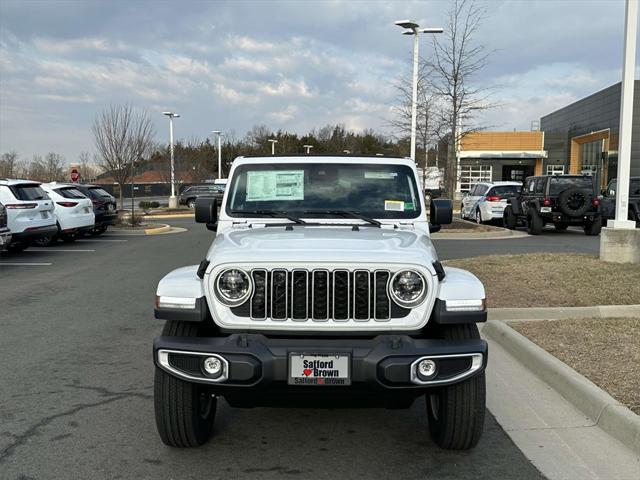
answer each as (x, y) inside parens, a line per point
(467, 200)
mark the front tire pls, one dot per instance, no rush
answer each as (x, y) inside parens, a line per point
(456, 412)
(185, 411)
(191, 204)
(478, 217)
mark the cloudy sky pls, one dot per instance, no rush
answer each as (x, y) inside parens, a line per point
(293, 65)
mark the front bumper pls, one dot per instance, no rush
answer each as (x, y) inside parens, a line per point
(257, 367)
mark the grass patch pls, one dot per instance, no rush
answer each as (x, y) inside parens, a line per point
(553, 280)
(606, 351)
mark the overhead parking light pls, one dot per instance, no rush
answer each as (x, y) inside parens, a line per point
(183, 303)
(466, 305)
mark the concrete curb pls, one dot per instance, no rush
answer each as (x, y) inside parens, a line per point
(609, 414)
(157, 230)
(563, 313)
(174, 215)
(497, 235)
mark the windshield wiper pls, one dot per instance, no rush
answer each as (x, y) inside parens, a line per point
(270, 213)
(347, 213)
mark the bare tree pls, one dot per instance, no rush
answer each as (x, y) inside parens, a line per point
(122, 136)
(54, 167)
(87, 170)
(9, 164)
(428, 122)
(457, 59)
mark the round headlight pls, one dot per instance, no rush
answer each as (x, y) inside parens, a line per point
(233, 287)
(408, 288)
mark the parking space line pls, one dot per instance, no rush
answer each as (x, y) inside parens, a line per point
(36, 250)
(26, 264)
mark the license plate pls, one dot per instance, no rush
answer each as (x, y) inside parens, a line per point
(545, 209)
(315, 369)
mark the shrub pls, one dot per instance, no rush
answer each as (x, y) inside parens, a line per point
(146, 206)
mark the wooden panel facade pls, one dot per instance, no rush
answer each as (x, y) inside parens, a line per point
(502, 141)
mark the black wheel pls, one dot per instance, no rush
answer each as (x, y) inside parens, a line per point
(574, 201)
(191, 203)
(560, 226)
(68, 238)
(99, 230)
(478, 217)
(46, 241)
(456, 412)
(593, 228)
(17, 247)
(534, 223)
(509, 219)
(185, 411)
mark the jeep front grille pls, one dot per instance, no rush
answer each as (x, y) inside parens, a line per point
(320, 295)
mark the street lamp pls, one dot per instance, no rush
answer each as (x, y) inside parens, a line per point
(412, 28)
(307, 148)
(346, 152)
(173, 201)
(219, 133)
(273, 146)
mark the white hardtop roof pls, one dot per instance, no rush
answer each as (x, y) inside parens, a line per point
(373, 159)
(16, 181)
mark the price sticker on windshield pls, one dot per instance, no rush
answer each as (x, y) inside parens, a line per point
(265, 186)
(394, 205)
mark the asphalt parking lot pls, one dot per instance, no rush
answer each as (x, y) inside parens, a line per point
(76, 381)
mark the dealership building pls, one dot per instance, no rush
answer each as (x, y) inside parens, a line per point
(583, 136)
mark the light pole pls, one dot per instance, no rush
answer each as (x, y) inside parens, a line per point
(173, 201)
(307, 148)
(412, 28)
(273, 146)
(219, 133)
(346, 152)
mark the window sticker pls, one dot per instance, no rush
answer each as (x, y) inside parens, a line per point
(394, 205)
(408, 206)
(380, 175)
(264, 186)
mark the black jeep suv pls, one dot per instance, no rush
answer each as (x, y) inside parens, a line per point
(104, 207)
(609, 200)
(559, 199)
(190, 194)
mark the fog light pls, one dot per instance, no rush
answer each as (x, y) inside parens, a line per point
(427, 369)
(212, 366)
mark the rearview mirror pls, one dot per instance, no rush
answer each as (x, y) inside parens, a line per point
(207, 212)
(441, 212)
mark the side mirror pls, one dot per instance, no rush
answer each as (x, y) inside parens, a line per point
(207, 212)
(441, 212)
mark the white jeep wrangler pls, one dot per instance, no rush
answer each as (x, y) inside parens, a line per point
(321, 288)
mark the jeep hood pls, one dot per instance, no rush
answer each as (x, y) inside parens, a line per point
(322, 245)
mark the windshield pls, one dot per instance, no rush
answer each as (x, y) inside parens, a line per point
(96, 192)
(559, 184)
(375, 191)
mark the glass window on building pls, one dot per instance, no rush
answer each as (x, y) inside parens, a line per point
(472, 174)
(555, 169)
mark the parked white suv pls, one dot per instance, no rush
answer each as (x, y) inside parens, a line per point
(29, 212)
(486, 201)
(73, 212)
(321, 288)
